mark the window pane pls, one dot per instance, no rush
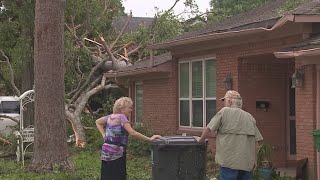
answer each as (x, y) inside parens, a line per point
(197, 113)
(210, 110)
(184, 113)
(210, 78)
(139, 102)
(184, 80)
(197, 79)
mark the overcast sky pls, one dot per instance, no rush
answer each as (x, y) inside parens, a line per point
(145, 8)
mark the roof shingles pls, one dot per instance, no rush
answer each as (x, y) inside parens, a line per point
(265, 16)
(145, 63)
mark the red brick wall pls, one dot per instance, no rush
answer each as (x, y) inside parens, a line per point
(267, 82)
(160, 104)
(257, 75)
(306, 118)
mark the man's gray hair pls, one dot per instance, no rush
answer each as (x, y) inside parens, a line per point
(236, 103)
(235, 98)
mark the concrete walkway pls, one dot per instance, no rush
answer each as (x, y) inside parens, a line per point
(290, 171)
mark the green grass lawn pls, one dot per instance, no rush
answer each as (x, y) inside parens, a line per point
(87, 162)
(87, 167)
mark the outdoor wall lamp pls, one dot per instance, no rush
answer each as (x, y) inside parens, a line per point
(227, 82)
(297, 78)
(264, 105)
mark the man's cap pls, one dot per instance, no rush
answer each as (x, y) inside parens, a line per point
(231, 95)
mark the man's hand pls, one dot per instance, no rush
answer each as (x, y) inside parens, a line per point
(197, 138)
(254, 167)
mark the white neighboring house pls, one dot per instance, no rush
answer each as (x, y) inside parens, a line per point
(9, 106)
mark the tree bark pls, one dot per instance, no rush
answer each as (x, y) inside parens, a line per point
(50, 147)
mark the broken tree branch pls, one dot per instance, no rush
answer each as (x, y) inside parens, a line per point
(110, 54)
(174, 4)
(16, 90)
(93, 70)
(121, 32)
(106, 3)
(11, 118)
(5, 140)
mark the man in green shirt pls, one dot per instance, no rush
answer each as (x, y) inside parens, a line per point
(236, 139)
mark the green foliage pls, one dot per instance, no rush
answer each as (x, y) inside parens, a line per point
(103, 102)
(16, 33)
(166, 26)
(91, 15)
(9, 34)
(8, 149)
(290, 5)
(94, 139)
(220, 9)
(92, 20)
(138, 147)
(139, 167)
(264, 153)
(87, 166)
(77, 63)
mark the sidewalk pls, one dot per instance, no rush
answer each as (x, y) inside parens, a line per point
(290, 171)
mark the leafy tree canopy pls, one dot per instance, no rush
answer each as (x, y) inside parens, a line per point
(221, 9)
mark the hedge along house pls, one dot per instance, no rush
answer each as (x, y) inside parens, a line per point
(245, 53)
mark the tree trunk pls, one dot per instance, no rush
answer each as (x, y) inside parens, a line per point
(50, 147)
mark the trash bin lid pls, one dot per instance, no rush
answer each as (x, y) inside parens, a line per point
(175, 140)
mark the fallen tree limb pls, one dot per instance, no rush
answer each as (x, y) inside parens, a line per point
(5, 141)
(11, 118)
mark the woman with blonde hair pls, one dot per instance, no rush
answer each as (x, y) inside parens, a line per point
(115, 129)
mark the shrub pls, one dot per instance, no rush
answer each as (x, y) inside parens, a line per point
(138, 147)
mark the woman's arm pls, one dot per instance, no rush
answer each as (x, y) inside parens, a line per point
(100, 125)
(136, 134)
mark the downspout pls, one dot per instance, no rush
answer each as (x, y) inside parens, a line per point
(151, 57)
(318, 115)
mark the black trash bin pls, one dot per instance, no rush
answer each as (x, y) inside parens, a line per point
(178, 158)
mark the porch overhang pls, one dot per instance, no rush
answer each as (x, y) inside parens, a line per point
(228, 34)
(137, 72)
(125, 77)
(307, 56)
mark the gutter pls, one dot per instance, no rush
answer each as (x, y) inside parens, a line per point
(300, 53)
(212, 36)
(134, 72)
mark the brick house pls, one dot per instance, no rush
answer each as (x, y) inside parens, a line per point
(256, 53)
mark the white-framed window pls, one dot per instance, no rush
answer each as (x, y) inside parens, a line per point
(197, 92)
(139, 101)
